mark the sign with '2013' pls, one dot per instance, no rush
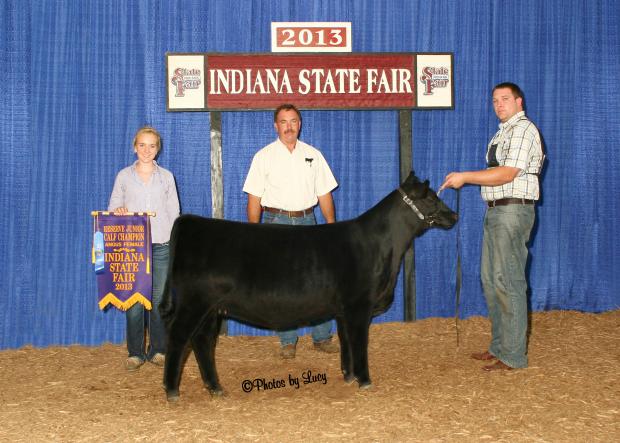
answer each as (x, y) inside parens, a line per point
(311, 37)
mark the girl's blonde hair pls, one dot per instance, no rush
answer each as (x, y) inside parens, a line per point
(147, 130)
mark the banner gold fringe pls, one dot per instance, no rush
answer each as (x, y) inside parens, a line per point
(123, 306)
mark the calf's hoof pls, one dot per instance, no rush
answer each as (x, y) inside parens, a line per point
(216, 393)
(349, 378)
(172, 396)
(365, 385)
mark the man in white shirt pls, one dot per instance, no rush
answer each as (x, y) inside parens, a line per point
(287, 178)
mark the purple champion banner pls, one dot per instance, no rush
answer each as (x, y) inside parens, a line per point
(122, 258)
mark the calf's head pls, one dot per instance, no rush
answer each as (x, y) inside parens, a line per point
(424, 202)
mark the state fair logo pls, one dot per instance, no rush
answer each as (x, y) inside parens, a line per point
(185, 79)
(433, 78)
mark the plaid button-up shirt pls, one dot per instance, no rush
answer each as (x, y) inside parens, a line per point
(516, 144)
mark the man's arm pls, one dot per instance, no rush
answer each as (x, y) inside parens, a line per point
(326, 203)
(484, 177)
(253, 209)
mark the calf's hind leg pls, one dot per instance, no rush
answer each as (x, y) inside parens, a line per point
(203, 343)
(180, 330)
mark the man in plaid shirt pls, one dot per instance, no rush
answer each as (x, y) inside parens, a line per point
(509, 186)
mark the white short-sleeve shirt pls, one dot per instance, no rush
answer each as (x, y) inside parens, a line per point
(289, 180)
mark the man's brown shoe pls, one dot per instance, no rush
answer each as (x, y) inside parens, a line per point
(497, 366)
(326, 346)
(288, 351)
(133, 363)
(159, 359)
(483, 356)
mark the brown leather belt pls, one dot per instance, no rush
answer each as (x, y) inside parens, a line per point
(288, 213)
(509, 201)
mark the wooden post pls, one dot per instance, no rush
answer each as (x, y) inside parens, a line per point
(406, 166)
(217, 185)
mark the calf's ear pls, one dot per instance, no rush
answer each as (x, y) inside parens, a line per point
(411, 179)
(423, 190)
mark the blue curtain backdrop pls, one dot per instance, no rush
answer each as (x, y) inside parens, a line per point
(80, 76)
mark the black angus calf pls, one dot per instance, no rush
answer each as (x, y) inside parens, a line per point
(283, 277)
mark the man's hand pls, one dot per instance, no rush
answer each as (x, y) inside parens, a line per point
(454, 180)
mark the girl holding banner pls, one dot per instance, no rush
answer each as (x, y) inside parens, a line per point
(147, 187)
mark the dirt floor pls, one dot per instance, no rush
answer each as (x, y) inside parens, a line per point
(425, 388)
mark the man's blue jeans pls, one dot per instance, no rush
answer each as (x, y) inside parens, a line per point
(320, 332)
(136, 343)
(504, 257)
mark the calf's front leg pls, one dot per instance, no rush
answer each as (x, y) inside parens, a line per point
(358, 336)
(346, 362)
